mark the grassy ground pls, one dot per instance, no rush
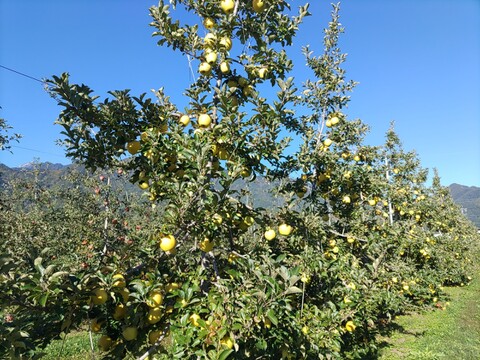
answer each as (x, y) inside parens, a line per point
(453, 333)
(76, 346)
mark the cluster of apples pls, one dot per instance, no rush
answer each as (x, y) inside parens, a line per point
(212, 44)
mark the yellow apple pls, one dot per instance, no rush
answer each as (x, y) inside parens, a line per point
(258, 5)
(143, 184)
(285, 229)
(270, 234)
(209, 40)
(217, 219)
(227, 6)
(155, 299)
(118, 281)
(262, 72)
(211, 57)
(154, 336)
(346, 199)
(184, 120)
(206, 245)
(130, 333)
(224, 67)
(246, 172)
(154, 315)
(350, 326)
(242, 81)
(223, 153)
(133, 147)
(194, 319)
(227, 342)
(209, 23)
(334, 120)
(205, 68)
(226, 43)
(327, 142)
(167, 242)
(104, 342)
(301, 193)
(119, 312)
(99, 297)
(247, 90)
(204, 120)
(249, 220)
(172, 286)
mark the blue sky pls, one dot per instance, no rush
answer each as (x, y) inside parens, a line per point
(417, 62)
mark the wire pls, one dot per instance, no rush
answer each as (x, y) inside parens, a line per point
(20, 73)
(38, 151)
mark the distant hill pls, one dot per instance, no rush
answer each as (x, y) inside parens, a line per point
(47, 173)
(258, 191)
(468, 197)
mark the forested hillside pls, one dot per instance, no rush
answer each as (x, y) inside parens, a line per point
(468, 198)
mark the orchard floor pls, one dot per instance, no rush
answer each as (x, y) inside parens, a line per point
(452, 333)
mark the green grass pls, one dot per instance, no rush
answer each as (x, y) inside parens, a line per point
(453, 333)
(76, 346)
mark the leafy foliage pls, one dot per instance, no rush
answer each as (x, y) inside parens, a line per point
(5, 138)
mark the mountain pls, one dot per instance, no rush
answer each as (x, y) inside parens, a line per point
(257, 193)
(468, 197)
(41, 166)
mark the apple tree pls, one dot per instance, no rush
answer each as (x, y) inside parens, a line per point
(199, 270)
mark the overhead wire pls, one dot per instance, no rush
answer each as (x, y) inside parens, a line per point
(43, 83)
(22, 74)
(34, 150)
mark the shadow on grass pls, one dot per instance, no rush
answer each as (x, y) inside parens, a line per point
(385, 331)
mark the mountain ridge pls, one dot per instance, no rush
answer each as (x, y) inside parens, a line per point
(467, 197)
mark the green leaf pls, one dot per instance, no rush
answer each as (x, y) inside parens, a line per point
(293, 290)
(38, 265)
(49, 269)
(272, 317)
(43, 299)
(224, 354)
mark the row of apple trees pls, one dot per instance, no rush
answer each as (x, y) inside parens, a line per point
(195, 268)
